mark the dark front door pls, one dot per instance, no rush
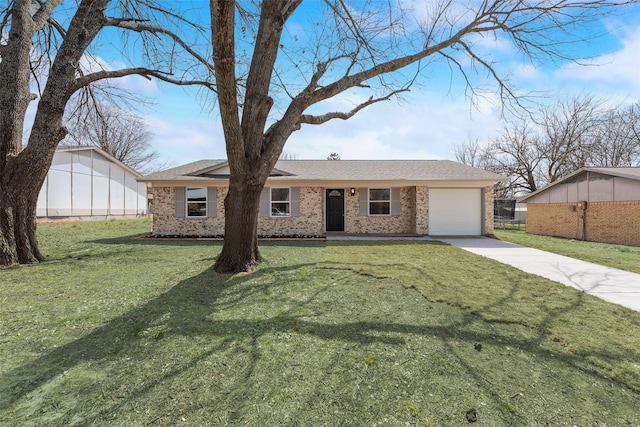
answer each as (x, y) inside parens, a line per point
(335, 209)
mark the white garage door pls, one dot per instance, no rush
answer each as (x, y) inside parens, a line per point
(455, 211)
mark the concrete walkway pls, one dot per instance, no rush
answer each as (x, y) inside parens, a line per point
(610, 284)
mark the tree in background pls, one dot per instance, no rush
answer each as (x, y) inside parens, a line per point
(566, 129)
(52, 52)
(118, 132)
(333, 156)
(556, 140)
(373, 51)
(470, 154)
(515, 155)
(285, 155)
(616, 141)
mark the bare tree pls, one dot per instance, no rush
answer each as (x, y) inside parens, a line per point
(471, 154)
(538, 149)
(516, 154)
(285, 155)
(562, 137)
(370, 46)
(33, 42)
(120, 133)
(616, 141)
(567, 128)
(475, 154)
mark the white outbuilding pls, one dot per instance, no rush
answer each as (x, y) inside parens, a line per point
(87, 182)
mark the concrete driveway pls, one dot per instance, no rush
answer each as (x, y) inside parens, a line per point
(610, 284)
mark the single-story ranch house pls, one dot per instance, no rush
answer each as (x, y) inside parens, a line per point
(316, 197)
(595, 204)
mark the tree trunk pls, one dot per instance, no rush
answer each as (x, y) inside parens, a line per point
(242, 205)
(22, 172)
(18, 243)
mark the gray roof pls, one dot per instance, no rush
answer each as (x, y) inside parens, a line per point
(625, 172)
(628, 172)
(183, 172)
(338, 170)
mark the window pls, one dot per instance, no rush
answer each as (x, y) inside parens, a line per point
(280, 202)
(196, 202)
(379, 201)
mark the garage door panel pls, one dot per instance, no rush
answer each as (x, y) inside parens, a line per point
(455, 212)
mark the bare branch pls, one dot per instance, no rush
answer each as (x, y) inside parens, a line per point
(288, 8)
(320, 119)
(157, 31)
(147, 73)
(43, 14)
(506, 92)
(120, 133)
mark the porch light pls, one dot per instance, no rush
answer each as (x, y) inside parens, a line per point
(352, 191)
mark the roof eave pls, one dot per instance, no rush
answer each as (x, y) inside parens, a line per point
(605, 171)
(104, 154)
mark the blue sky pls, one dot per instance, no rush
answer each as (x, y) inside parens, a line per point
(427, 123)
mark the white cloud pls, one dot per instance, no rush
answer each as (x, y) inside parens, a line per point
(421, 130)
(427, 126)
(491, 43)
(614, 74)
(526, 72)
(183, 140)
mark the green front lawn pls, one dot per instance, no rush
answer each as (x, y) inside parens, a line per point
(616, 256)
(122, 332)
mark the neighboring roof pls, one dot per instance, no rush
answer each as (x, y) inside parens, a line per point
(75, 148)
(628, 172)
(337, 170)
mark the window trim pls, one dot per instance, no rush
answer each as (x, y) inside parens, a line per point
(378, 201)
(271, 202)
(187, 202)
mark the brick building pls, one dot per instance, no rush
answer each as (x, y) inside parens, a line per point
(316, 197)
(594, 204)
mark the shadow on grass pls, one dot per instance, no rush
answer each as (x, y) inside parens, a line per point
(189, 303)
(140, 239)
(188, 309)
(576, 323)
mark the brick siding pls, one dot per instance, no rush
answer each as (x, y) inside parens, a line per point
(413, 219)
(422, 210)
(309, 223)
(354, 223)
(488, 210)
(165, 222)
(608, 222)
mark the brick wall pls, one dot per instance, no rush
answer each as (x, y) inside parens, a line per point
(609, 222)
(488, 210)
(309, 223)
(413, 219)
(166, 223)
(405, 223)
(422, 210)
